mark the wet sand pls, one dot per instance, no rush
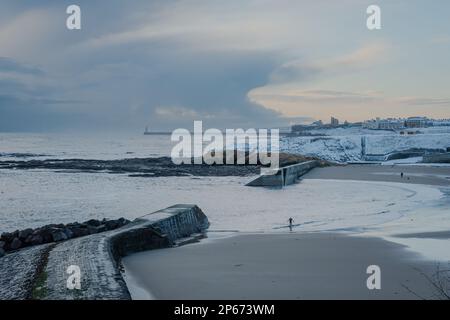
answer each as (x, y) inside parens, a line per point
(425, 235)
(429, 175)
(279, 266)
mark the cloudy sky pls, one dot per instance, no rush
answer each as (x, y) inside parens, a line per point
(231, 63)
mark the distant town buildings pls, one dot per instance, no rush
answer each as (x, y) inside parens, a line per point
(304, 128)
(402, 125)
(417, 122)
(384, 124)
(397, 124)
(334, 122)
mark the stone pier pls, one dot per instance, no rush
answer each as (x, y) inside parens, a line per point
(283, 176)
(97, 256)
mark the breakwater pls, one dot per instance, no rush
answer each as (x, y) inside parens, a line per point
(42, 272)
(284, 176)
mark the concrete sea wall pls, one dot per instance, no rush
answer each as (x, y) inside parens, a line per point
(437, 158)
(284, 176)
(97, 256)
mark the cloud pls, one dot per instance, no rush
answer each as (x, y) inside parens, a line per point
(165, 63)
(212, 26)
(319, 95)
(10, 65)
(442, 39)
(300, 70)
(420, 101)
(27, 33)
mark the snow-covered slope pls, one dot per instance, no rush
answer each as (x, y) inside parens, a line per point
(338, 149)
(388, 144)
(345, 148)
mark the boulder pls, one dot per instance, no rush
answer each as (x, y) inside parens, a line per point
(122, 221)
(15, 244)
(7, 237)
(36, 239)
(78, 231)
(58, 235)
(92, 229)
(93, 223)
(45, 233)
(56, 232)
(111, 224)
(68, 233)
(25, 233)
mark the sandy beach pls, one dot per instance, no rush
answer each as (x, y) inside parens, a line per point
(416, 174)
(279, 266)
(294, 265)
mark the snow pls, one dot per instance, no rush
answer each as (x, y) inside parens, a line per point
(338, 149)
(347, 147)
(388, 144)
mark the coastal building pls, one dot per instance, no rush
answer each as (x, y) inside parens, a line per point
(334, 122)
(416, 122)
(384, 124)
(441, 122)
(317, 123)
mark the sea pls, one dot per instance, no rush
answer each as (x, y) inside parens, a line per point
(35, 197)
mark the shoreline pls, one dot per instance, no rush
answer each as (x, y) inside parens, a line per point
(279, 266)
(297, 265)
(326, 264)
(427, 175)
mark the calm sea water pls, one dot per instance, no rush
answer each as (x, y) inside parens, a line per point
(65, 146)
(32, 198)
(28, 146)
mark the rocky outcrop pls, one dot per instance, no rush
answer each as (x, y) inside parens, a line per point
(136, 167)
(10, 241)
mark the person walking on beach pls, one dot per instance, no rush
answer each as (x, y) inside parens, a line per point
(401, 175)
(290, 223)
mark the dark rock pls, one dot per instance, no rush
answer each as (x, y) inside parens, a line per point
(46, 235)
(15, 244)
(36, 239)
(101, 228)
(73, 224)
(2, 252)
(93, 223)
(7, 237)
(122, 221)
(58, 235)
(25, 233)
(79, 231)
(92, 229)
(111, 224)
(56, 232)
(68, 233)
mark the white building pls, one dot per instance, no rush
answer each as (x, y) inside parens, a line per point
(384, 124)
(416, 122)
(334, 122)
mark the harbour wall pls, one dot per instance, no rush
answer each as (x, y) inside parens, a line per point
(284, 176)
(97, 257)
